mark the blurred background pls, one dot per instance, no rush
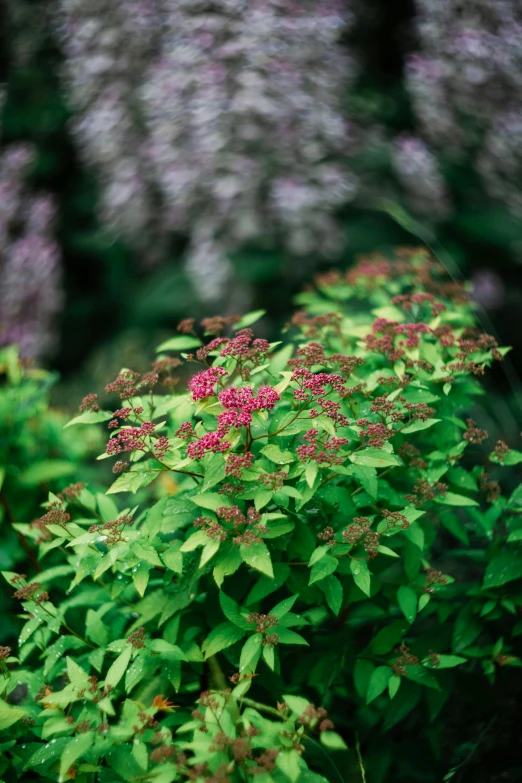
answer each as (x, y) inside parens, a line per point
(169, 158)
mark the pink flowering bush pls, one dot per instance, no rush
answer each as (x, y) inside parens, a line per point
(335, 558)
(30, 260)
(220, 120)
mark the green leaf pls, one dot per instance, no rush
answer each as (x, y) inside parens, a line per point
(181, 343)
(286, 636)
(228, 563)
(90, 417)
(325, 566)
(389, 637)
(221, 637)
(416, 426)
(503, 568)
(119, 667)
(10, 715)
(283, 607)
(74, 749)
(154, 519)
(76, 674)
(446, 662)
(422, 676)
(384, 550)
(199, 538)
(407, 600)
(251, 652)
(209, 551)
(258, 556)
(393, 685)
(378, 682)
(288, 762)
(132, 482)
(333, 741)
(297, 704)
(375, 458)
(362, 672)
(173, 558)
(333, 591)
(311, 471)
(45, 471)
(262, 499)
(234, 612)
(452, 499)
(277, 455)
(248, 319)
(168, 650)
(512, 457)
(361, 575)
(214, 472)
(269, 657)
(210, 500)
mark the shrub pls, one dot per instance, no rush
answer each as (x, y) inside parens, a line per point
(334, 564)
(36, 454)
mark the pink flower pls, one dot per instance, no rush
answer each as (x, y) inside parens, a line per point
(203, 384)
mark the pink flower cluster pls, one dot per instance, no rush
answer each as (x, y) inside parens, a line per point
(236, 462)
(324, 452)
(243, 347)
(239, 404)
(131, 439)
(375, 435)
(389, 330)
(203, 384)
(30, 265)
(412, 332)
(315, 383)
(122, 414)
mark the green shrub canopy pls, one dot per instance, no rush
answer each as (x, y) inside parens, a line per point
(289, 595)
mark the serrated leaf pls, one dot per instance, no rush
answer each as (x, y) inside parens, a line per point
(227, 564)
(74, 749)
(446, 662)
(221, 637)
(452, 499)
(210, 500)
(210, 549)
(165, 648)
(504, 567)
(287, 636)
(361, 575)
(333, 592)
(234, 612)
(251, 652)
(283, 607)
(173, 558)
(119, 667)
(10, 714)
(407, 600)
(90, 417)
(277, 455)
(258, 556)
(378, 682)
(333, 741)
(375, 458)
(248, 319)
(417, 426)
(180, 343)
(323, 568)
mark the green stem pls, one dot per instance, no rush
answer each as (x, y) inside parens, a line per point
(262, 707)
(359, 758)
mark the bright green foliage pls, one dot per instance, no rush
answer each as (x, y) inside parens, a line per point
(36, 455)
(335, 559)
